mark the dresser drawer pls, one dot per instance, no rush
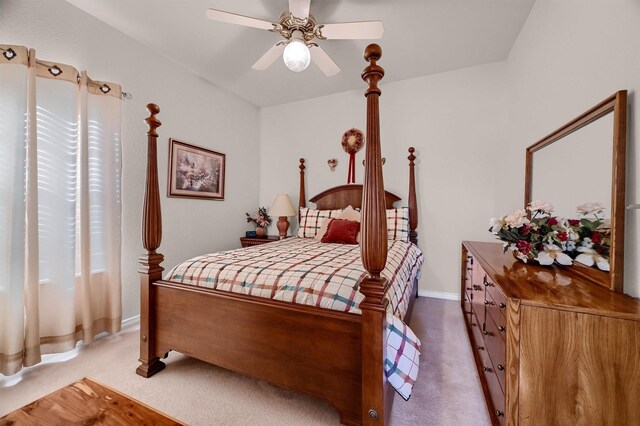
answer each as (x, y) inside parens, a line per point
(497, 296)
(495, 390)
(495, 314)
(476, 331)
(496, 348)
(466, 308)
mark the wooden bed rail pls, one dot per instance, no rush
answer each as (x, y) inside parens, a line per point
(150, 269)
(373, 248)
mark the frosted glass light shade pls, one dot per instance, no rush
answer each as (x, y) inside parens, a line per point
(282, 206)
(296, 55)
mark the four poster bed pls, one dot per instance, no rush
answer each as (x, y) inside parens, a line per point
(336, 356)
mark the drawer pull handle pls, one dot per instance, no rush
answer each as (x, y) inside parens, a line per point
(486, 333)
(488, 302)
(477, 287)
(486, 369)
(502, 305)
(473, 324)
(468, 288)
(499, 413)
(500, 367)
(501, 328)
(469, 269)
(480, 348)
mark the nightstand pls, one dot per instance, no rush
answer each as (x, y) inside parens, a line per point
(256, 241)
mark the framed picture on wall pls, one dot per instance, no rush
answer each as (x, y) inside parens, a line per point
(195, 172)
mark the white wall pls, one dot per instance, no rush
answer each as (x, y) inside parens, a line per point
(455, 121)
(192, 110)
(570, 55)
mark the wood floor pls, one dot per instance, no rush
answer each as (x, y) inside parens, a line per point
(86, 402)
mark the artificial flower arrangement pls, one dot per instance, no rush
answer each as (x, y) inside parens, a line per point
(593, 236)
(547, 239)
(543, 238)
(261, 219)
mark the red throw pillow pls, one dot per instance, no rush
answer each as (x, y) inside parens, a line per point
(342, 231)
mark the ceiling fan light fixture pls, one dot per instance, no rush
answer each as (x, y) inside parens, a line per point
(296, 55)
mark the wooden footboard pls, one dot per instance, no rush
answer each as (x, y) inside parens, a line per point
(313, 351)
(335, 356)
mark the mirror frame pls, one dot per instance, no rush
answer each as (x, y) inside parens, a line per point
(616, 104)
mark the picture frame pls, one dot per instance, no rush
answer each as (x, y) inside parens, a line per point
(195, 172)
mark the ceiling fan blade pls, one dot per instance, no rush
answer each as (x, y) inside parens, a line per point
(234, 18)
(368, 30)
(323, 61)
(299, 8)
(269, 58)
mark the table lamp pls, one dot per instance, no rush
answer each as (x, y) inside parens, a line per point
(282, 208)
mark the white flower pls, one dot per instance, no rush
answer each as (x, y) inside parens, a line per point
(553, 253)
(588, 257)
(495, 224)
(516, 219)
(540, 206)
(595, 208)
(586, 244)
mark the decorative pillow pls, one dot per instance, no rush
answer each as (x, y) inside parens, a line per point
(342, 231)
(349, 214)
(311, 220)
(398, 224)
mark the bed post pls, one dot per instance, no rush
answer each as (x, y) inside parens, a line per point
(302, 198)
(413, 204)
(150, 269)
(374, 255)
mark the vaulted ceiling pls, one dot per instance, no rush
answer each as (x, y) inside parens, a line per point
(421, 37)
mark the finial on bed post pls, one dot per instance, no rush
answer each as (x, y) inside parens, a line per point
(302, 198)
(374, 254)
(413, 204)
(150, 269)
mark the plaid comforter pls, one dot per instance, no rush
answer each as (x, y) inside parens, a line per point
(305, 271)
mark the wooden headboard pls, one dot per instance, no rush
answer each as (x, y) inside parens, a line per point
(342, 196)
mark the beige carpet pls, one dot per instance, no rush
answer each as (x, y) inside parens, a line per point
(447, 392)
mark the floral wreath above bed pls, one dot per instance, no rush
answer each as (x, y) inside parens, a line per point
(352, 142)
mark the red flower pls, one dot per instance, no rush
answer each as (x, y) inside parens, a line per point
(562, 236)
(525, 230)
(574, 222)
(596, 238)
(523, 247)
(552, 221)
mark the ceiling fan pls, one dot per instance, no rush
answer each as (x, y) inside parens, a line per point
(300, 31)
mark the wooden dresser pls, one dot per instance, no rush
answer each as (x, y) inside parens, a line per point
(550, 347)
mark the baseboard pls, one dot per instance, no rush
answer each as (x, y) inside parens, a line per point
(131, 321)
(439, 295)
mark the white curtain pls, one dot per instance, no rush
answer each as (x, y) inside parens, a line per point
(59, 208)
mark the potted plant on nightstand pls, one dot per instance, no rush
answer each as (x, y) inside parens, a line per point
(261, 220)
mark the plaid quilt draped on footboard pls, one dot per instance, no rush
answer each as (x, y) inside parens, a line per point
(305, 271)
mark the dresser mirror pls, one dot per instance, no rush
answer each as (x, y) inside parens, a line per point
(584, 161)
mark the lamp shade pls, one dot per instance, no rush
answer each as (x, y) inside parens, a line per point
(282, 206)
